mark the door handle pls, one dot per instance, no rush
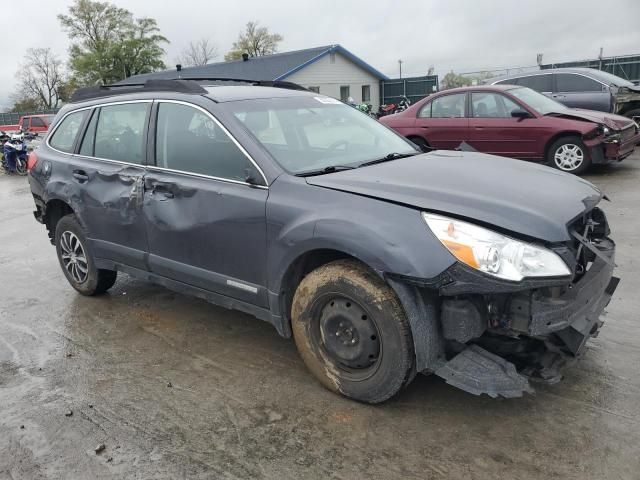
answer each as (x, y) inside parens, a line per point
(80, 175)
(424, 126)
(559, 96)
(162, 188)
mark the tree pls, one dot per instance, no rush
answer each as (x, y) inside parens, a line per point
(40, 80)
(255, 41)
(24, 104)
(198, 53)
(453, 80)
(108, 44)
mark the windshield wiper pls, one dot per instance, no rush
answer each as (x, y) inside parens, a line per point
(322, 171)
(387, 158)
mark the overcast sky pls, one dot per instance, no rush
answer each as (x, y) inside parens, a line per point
(461, 35)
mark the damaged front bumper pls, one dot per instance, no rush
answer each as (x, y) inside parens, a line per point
(613, 148)
(498, 335)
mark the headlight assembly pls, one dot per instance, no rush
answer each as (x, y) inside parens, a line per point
(494, 253)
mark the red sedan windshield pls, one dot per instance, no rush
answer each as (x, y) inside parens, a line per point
(540, 103)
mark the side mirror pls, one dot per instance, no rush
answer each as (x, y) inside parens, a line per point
(520, 113)
(249, 176)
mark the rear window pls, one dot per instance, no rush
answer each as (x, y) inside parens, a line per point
(65, 134)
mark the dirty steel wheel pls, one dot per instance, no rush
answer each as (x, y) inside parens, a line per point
(76, 259)
(569, 154)
(352, 332)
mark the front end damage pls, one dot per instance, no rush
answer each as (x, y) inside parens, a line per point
(498, 336)
(612, 144)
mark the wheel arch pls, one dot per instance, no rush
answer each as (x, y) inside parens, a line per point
(558, 136)
(297, 269)
(54, 210)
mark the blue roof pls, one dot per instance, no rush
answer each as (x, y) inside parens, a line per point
(268, 67)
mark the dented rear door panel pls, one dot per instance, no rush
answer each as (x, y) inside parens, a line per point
(110, 195)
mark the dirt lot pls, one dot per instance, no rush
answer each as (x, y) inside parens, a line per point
(177, 388)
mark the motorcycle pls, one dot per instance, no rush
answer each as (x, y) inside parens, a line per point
(15, 155)
(365, 108)
(391, 108)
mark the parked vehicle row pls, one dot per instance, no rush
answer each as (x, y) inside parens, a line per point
(517, 122)
(381, 261)
(581, 88)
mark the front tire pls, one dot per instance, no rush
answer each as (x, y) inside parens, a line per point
(352, 332)
(570, 155)
(77, 261)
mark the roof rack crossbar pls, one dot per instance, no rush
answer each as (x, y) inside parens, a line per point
(159, 85)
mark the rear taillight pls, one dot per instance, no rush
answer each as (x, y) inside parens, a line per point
(32, 160)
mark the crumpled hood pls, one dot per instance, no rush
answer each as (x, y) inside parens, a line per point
(633, 88)
(617, 122)
(529, 199)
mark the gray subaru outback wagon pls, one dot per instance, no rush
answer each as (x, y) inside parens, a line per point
(381, 261)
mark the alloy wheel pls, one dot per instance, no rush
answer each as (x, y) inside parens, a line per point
(73, 256)
(569, 157)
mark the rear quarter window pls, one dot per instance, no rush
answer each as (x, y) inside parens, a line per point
(64, 136)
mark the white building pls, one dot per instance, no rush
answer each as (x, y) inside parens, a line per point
(330, 70)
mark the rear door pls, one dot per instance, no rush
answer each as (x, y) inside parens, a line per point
(206, 223)
(580, 91)
(493, 130)
(443, 121)
(108, 172)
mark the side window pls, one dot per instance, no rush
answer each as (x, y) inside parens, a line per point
(25, 124)
(366, 93)
(509, 81)
(190, 141)
(37, 122)
(345, 93)
(88, 142)
(491, 105)
(539, 83)
(569, 82)
(448, 106)
(425, 111)
(65, 135)
(120, 132)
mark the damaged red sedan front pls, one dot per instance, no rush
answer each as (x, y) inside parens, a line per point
(517, 122)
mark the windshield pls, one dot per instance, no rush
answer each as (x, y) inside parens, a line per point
(306, 134)
(539, 102)
(611, 79)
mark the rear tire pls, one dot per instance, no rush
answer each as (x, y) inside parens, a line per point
(570, 155)
(77, 260)
(352, 332)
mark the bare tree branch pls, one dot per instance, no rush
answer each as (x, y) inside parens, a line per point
(40, 78)
(198, 53)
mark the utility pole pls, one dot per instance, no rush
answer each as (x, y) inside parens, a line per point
(400, 64)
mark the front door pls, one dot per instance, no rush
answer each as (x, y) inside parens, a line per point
(493, 130)
(109, 170)
(443, 122)
(206, 224)
(578, 91)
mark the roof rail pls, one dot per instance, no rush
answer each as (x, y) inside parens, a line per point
(177, 85)
(258, 83)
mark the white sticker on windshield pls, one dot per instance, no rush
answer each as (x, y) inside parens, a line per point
(328, 100)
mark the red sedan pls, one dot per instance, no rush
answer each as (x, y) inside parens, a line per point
(517, 122)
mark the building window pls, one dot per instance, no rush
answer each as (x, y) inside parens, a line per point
(344, 93)
(366, 93)
(314, 89)
(332, 57)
